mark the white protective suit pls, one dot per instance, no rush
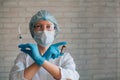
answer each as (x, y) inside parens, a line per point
(65, 63)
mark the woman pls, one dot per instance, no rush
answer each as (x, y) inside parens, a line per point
(43, 61)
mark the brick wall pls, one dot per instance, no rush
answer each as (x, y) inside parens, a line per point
(118, 30)
(91, 28)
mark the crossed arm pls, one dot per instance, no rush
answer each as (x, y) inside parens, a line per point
(67, 70)
(51, 68)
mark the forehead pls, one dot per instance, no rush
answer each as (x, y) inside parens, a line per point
(44, 22)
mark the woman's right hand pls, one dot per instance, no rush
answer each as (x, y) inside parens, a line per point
(32, 50)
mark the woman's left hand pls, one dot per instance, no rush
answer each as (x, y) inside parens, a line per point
(53, 51)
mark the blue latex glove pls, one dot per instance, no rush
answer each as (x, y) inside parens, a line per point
(32, 50)
(53, 51)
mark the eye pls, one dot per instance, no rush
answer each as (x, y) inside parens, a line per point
(48, 26)
(38, 26)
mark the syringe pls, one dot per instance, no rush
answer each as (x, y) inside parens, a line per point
(20, 35)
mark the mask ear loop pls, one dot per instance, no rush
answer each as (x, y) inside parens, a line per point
(55, 31)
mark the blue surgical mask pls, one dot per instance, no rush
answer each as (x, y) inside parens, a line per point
(44, 38)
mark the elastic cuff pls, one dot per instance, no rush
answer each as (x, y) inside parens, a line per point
(62, 75)
(23, 78)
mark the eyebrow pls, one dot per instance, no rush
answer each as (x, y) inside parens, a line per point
(43, 24)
